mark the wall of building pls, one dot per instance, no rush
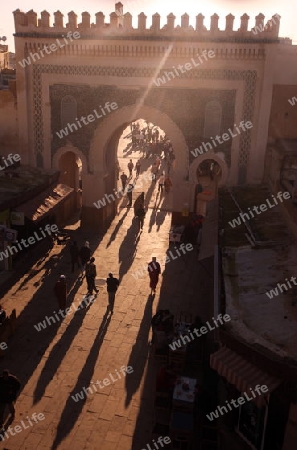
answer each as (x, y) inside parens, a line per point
(8, 121)
(108, 55)
(283, 115)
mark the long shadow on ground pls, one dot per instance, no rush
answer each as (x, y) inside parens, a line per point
(127, 250)
(28, 344)
(72, 409)
(185, 284)
(115, 231)
(139, 354)
(60, 349)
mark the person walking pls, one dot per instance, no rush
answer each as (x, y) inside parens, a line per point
(130, 167)
(154, 171)
(85, 255)
(140, 214)
(60, 290)
(161, 182)
(167, 184)
(91, 274)
(124, 179)
(141, 139)
(74, 253)
(9, 387)
(112, 287)
(154, 270)
(158, 161)
(129, 194)
(139, 202)
(137, 168)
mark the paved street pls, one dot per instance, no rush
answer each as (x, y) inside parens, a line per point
(89, 345)
(59, 361)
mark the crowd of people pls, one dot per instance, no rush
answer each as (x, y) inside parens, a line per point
(152, 143)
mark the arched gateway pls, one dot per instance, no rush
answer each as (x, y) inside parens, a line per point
(103, 155)
(190, 82)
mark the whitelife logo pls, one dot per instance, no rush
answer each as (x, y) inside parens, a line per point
(242, 216)
(161, 441)
(188, 66)
(63, 313)
(48, 51)
(260, 28)
(31, 241)
(10, 160)
(206, 146)
(86, 120)
(137, 183)
(167, 259)
(187, 338)
(19, 428)
(279, 287)
(241, 400)
(293, 101)
(106, 382)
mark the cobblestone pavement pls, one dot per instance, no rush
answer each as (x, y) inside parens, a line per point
(90, 344)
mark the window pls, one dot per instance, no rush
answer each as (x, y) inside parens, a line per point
(68, 110)
(251, 424)
(212, 119)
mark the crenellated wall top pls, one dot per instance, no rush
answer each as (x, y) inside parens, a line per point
(121, 24)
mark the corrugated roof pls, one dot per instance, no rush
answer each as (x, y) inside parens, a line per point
(40, 205)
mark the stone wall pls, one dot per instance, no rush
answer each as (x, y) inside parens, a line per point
(8, 123)
(283, 115)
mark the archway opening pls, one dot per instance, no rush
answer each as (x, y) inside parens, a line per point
(70, 167)
(208, 176)
(145, 159)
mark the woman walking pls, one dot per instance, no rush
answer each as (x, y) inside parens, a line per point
(154, 271)
(60, 290)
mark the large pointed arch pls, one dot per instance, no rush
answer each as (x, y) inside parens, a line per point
(127, 114)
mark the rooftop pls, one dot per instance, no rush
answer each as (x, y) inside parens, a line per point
(250, 272)
(22, 184)
(121, 24)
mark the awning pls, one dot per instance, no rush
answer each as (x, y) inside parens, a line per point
(44, 202)
(242, 374)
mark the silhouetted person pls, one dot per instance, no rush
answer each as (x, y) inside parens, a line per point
(60, 290)
(138, 168)
(85, 254)
(9, 387)
(140, 214)
(91, 274)
(129, 194)
(124, 179)
(112, 287)
(74, 253)
(154, 271)
(130, 167)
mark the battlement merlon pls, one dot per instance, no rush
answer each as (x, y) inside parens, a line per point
(121, 24)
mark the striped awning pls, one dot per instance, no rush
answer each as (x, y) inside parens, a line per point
(242, 374)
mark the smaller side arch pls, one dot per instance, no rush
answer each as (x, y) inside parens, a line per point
(218, 157)
(70, 148)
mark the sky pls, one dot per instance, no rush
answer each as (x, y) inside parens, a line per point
(287, 9)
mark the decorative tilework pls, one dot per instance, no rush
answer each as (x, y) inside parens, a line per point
(249, 77)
